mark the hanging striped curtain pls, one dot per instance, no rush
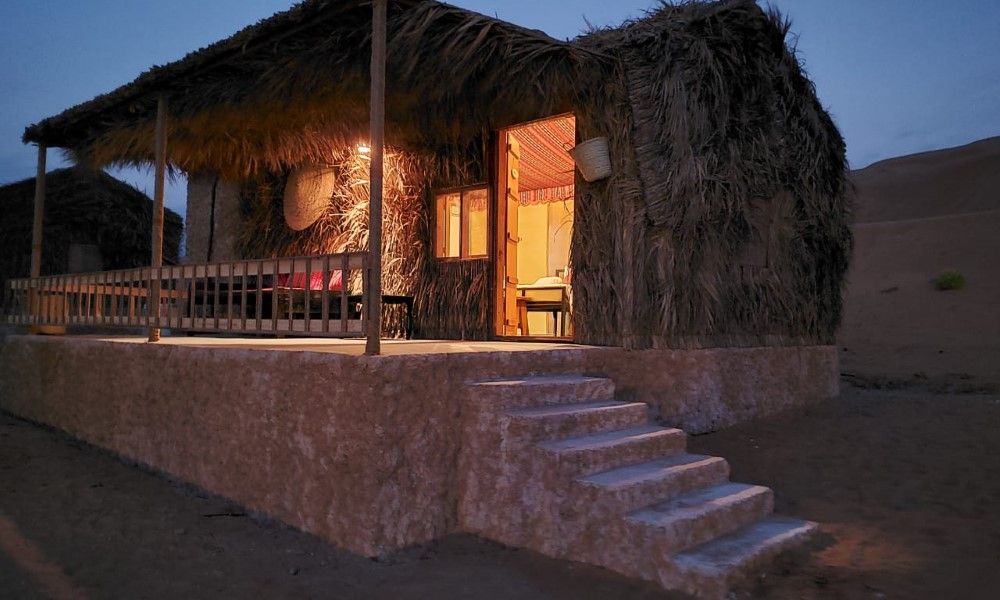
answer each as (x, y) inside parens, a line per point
(546, 166)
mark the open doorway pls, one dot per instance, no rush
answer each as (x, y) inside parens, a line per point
(534, 229)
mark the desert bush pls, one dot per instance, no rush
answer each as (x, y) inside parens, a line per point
(949, 280)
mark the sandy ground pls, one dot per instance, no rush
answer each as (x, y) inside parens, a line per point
(905, 484)
(74, 516)
(918, 216)
(897, 325)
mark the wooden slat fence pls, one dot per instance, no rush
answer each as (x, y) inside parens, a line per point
(302, 295)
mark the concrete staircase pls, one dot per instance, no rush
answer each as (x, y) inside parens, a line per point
(555, 464)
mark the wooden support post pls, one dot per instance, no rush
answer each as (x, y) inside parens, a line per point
(377, 124)
(37, 227)
(156, 260)
(36, 230)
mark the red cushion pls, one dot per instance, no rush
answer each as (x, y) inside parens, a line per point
(298, 281)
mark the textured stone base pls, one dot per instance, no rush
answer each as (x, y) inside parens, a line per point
(709, 389)
(363, 451)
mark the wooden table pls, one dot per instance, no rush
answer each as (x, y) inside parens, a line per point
(526, 304)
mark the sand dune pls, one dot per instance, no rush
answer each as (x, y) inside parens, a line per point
(953, 181)
(918, 216)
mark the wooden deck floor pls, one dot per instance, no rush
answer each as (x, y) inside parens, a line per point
(351, 346)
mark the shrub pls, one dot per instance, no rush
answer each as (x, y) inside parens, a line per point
(949, 280)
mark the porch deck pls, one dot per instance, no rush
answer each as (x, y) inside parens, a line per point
(352, 347)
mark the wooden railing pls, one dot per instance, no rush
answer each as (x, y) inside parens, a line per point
(303, 295)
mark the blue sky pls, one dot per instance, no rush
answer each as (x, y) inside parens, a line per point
(898, 76)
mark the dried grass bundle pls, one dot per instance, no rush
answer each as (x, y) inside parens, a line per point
(343, 227)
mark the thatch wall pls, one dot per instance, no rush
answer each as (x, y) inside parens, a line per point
(729, 211)
(451, 299)
(343, 227)
(454, 298)
(81, 207)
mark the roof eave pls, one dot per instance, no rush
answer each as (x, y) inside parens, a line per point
(142, 91)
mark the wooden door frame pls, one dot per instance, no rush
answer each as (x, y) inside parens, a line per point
(498, 234)
(497, 169)
(493, 313)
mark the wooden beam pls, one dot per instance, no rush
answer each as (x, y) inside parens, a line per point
(37, 229)
(39, 219)
(377, 124)
(156, 258)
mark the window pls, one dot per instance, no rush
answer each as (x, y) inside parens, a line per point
(462, 224)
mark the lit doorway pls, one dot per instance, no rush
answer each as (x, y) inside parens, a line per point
(535, 228)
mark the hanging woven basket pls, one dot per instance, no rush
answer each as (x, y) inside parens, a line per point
(307, 194)
(592, 158)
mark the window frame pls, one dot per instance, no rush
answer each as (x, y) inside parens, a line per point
(463, 241)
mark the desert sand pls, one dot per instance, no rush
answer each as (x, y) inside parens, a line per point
(960, 180)
(905, 486)
(916, 217)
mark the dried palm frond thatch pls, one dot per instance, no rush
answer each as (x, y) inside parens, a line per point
(343, 227)
(294, 88)
(720, 142)
(406, 243)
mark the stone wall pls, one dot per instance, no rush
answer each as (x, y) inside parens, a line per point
(362, 451)
(227, 219)
(708, 389)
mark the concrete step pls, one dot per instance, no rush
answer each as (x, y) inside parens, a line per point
(559, 421)
(633, 486)
(539, 390)
(592, 453)
(558, 466)
(666, 528)
(709, 570)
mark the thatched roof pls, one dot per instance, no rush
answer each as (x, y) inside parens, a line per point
(277, 93)
(82, 207)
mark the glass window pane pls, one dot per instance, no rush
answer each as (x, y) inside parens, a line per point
(477, 223)
(449, 218)
(454, 225)
(462, 229)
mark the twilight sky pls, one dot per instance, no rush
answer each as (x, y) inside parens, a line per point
(898, 76)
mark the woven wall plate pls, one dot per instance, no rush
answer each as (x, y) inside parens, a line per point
(307, 194)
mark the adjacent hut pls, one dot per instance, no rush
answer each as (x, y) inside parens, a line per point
(724, 221)
(93, 222)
